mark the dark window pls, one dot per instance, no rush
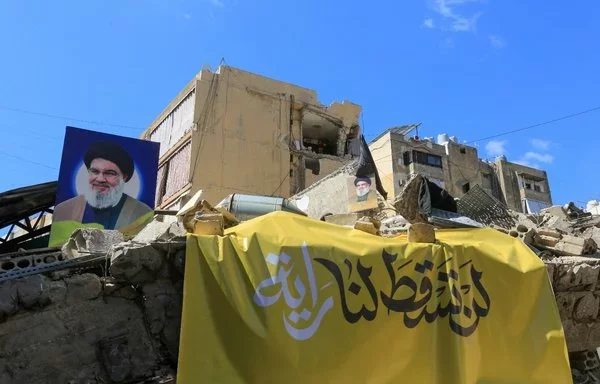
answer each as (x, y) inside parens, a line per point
(466, 187)
(406, 156)
(527, 186)
(537, 188)
(463, 150)
(427, 159)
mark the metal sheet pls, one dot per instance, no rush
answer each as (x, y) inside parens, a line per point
(23, 202)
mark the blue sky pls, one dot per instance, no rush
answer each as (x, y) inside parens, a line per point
(464, 67)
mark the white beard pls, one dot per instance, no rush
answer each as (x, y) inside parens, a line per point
(362, 192)
(108, 199)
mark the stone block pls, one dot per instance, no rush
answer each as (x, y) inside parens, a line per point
(160, 231)
(209, 224)
(57, 291)
(135, 263)
(586, 308)
(62, 343)
(566, 303)
(576, 276)
(32, 291)
(366, 226)
(421, 233)
(555, 210)
(9, 299)
(86, 286)
(85, 241)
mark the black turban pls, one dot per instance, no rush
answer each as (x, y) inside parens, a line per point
(112, 152)
(365, 179)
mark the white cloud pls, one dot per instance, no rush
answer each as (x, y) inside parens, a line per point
(541, 157)
(216, 3)
(458, 22)
(541, 145)
(495, 148)
(428, 23)
(497, 41)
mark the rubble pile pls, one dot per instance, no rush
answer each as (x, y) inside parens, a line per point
(97, 325)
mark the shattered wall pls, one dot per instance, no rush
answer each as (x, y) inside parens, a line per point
(513, 191)
(246, 136)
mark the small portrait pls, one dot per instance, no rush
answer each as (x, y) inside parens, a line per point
(105, 182)
(361, 193)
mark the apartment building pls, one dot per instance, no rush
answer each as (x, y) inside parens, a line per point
(456, 167)
(234, 131)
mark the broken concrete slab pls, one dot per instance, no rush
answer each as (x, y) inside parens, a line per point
(421, 233)
(135, 263)
(162, 231)
(366, 226)
(86, 241)
(86, 286)
(209, 224)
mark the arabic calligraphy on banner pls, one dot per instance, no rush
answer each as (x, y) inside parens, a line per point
(420, 290)
(288, 299)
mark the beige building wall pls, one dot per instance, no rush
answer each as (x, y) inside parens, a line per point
(460, 171)
(520, 182)
(381, 150)
(246, 133)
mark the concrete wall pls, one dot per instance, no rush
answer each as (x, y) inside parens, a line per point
(244, 129)
(512, 191)
(463, 166)
(327, 165)
(241, 141)
(381, 150)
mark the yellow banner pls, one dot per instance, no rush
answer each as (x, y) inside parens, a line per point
(287, 299)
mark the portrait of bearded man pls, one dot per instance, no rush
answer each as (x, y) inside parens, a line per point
(104, 201)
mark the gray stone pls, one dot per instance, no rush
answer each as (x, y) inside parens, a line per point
(61, 343)
(179, 261)
(116, 358)
(570, 276)
(135, 263)
(161, 302)
(127, 292)
(160, 231)
(56, 291)
(86, 241)
(8, 299)
(31, 291)
(86, 286)
(586, 308)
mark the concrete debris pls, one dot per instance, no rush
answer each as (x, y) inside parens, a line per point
(421, 233)
(367, 224)
(163, 231)
(209, 224)
(136, 263)
(86, 241)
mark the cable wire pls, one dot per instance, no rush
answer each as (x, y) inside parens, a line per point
(19, 110)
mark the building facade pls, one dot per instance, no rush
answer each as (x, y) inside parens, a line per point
(231, 131)
(456, 167)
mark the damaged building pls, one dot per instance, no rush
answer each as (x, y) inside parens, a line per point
(457, 168)
(233, 131)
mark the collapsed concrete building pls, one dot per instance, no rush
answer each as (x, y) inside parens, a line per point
(233, 131)
(111, 312)
(457, 168)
